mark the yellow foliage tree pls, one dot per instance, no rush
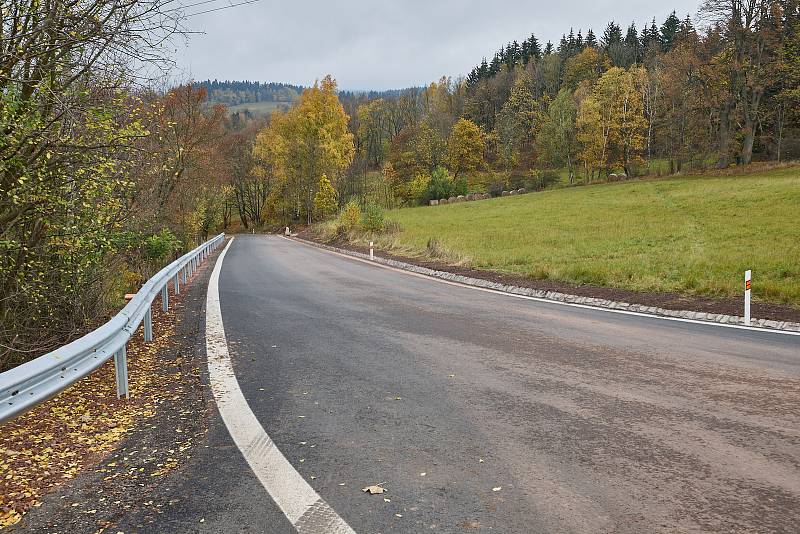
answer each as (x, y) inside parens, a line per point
(325, 199)
(309, 140)
(611, 123)
(465, 147)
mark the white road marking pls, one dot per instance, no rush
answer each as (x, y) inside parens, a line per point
(547, 301)
(304, 508)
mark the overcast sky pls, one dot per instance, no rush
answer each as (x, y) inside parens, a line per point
(385, 44)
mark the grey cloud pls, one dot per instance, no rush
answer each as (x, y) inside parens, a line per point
(380, 45)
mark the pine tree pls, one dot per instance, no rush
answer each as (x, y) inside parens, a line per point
(548, 48)
(483, 70)
(669, 30)
(633, 46)
(591, 40)
(563, 46)
(536, 49)
(686, 31)
(655, 39)
(612, 35)
(579, 42)
(494, 66)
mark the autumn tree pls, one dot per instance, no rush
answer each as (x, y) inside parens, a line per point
(325, 203)
(69, 136)
(611, 121)
(586, 66)
(465, 147)
(750, 40)
(556, 139)
(516, 120)
(309, 140)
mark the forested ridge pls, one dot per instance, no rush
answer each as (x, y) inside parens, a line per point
(105, 178)
(232, 93)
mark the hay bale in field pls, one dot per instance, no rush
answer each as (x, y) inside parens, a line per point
(434, 202)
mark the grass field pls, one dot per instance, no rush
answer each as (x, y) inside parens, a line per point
(693, 235)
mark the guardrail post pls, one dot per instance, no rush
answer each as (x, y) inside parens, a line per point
(176, 284)
(121, 370)
(183, 274)
(165, 296)
(148, 325)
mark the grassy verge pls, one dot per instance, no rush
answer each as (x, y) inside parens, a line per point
(693, 235)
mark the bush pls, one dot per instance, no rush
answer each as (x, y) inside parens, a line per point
(417, 189)
(372, 218)
(160, 246)
(350, 216)
(497, 187)
(439, 186)
(547, 178)
(459, 187)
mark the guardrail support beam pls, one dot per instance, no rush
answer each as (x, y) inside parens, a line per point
(121, 370)
(44, 376)
(148, 325)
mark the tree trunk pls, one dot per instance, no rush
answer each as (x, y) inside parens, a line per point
(725, 135)
(747, 145)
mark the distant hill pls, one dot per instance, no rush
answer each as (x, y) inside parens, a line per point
(257, 97)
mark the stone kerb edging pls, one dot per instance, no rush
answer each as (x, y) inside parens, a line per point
(565, 297)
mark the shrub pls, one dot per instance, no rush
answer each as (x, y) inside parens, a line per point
(497, 187)
(350, 216)
(160, 246)
(459, 187)
(542, 180)
(417, 189)
(372, 218)
(439, 186)
(547, 178)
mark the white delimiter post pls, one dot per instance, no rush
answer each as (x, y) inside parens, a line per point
(747, 298)
(371, 252)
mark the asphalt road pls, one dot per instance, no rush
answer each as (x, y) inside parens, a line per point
(586, 421)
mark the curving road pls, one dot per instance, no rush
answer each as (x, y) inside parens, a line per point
(523, 416)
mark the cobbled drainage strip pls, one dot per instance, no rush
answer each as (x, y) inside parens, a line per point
(564, 297)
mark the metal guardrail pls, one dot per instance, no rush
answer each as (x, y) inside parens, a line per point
(33, 382)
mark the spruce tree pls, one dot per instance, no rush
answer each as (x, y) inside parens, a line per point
(591, 40)
(669, 30)
(536, 50)
(633, 47)
(612, 35)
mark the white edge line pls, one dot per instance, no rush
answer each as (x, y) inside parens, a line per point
(304, 508)
(544, 300)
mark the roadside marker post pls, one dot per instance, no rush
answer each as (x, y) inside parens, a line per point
(747, 278)
(371, 252)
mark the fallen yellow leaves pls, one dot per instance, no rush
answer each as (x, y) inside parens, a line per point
(373, 490)
(51, 444)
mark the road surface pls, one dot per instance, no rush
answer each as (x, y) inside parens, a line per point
(484, 413)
